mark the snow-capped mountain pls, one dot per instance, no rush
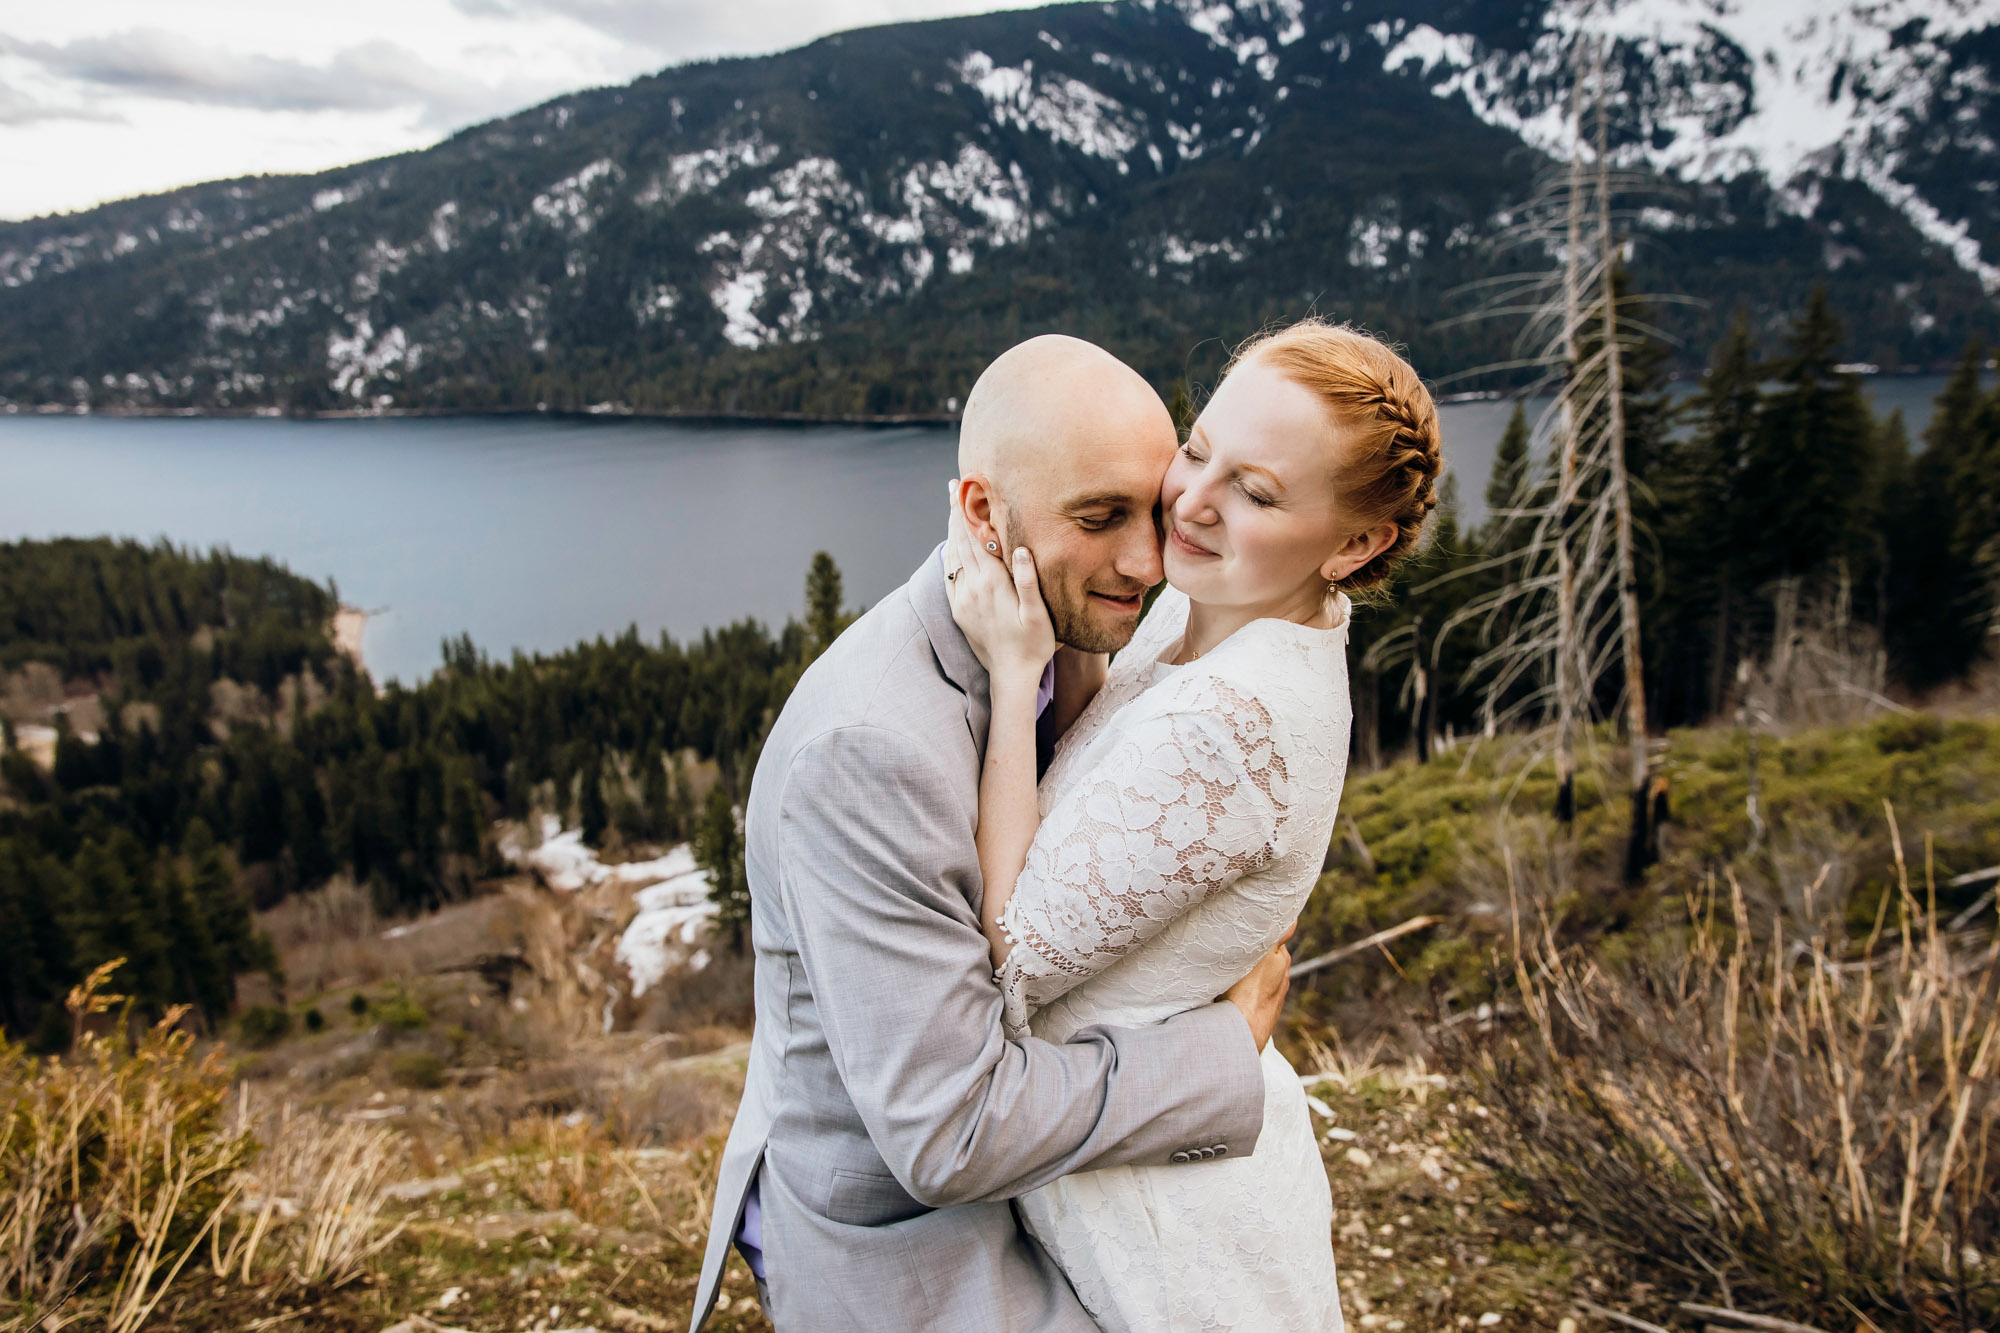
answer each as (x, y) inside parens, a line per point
(855, 226)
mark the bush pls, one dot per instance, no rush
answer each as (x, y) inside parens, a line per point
(264, 1025)
(357, 1004)
(416, 1069)
(399, 1013)
(1795, 1120)
(315, 1020)
(115, 1165)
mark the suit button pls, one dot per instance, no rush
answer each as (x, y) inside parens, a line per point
(1207, 1153)
(1180, 1157)
(1220, 1150)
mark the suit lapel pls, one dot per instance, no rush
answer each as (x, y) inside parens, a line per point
(954, 655)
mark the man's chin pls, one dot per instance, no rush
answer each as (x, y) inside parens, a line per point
(1106, 624)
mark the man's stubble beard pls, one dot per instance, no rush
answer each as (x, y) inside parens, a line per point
(1069, 610)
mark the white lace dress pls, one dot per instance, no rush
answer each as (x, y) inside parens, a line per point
(1184, 821)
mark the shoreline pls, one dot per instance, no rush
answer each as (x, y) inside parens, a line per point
(348, 624)
(407, 413)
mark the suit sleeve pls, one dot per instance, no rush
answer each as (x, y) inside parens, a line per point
(875, 862)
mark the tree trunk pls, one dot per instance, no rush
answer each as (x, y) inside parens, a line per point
(1566, 653)
(1641, 850)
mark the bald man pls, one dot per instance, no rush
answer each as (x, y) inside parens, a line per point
(886, 1123)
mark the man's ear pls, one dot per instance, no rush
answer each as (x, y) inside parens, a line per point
(981, 508)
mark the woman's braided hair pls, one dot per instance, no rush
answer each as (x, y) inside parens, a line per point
(1386, 423)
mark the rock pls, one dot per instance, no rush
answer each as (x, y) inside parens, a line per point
(416, 1323)
(1489, 1319)
(1359, 1157)
(408, 1191)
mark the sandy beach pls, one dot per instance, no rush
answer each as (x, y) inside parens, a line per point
(348, 623)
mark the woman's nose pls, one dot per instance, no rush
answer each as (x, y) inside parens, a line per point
(1194, 506)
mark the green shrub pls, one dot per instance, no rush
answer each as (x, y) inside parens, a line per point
(357, 1004)
(416, 1069)
(400, 1013)
(315, 1020)
(264, 1025)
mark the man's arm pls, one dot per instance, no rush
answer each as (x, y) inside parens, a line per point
(875, 856)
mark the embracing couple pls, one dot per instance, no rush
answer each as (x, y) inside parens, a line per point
(992, 1084)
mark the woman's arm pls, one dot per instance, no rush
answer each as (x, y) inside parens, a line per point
(998, 604)
(1179, 808)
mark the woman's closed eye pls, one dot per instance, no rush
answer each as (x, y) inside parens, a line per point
(1249, 492)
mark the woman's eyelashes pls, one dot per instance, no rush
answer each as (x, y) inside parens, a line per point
(1261, 501)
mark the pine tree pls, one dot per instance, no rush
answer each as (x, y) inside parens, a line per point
(823, 595)
(1505, 485)
(718, 848)
(1811, 457)
(1932, 587)
(592, 813)
(1706, 531)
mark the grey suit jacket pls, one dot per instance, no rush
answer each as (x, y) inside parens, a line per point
(890, 1118)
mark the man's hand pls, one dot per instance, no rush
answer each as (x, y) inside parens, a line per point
(1262, 994)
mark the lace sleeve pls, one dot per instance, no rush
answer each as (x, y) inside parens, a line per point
(1180, 808)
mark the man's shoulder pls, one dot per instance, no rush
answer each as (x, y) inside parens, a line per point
(880, 674)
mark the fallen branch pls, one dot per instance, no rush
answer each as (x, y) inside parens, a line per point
(1625, 1319)
(1763, 1321)
(1411, 926)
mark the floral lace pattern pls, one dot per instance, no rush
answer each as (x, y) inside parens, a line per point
(1184, 821)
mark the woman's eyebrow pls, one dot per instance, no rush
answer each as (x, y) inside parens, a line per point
(1264, 472)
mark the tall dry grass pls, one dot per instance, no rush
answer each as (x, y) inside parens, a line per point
(115, 1165)
(311, 1213)
(121, 1167)
(1791, 1114)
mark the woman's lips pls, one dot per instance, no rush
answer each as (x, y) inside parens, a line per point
(1184, 546)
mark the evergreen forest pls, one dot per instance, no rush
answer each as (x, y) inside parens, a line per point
(241, 758)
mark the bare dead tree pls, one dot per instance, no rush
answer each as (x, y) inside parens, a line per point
(1562, 630)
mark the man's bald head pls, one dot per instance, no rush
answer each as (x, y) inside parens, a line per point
(1049, 397)
(1062, 447)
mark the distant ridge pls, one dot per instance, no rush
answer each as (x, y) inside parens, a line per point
(852, 228)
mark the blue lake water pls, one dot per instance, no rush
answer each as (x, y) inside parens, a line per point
(533, 532)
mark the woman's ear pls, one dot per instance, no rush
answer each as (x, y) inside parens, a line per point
(977, 501)
(1358, 550)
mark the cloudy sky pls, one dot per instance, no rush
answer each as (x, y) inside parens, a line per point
(100, 99)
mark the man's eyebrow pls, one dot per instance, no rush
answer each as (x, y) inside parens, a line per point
(1101, 500)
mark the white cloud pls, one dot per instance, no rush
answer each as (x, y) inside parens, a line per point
(121, 97)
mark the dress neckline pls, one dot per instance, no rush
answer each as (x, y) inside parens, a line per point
(1162, 665)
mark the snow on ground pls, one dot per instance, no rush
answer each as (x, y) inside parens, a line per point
(670, 929)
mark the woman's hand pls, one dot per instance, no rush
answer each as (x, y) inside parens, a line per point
(998, 603)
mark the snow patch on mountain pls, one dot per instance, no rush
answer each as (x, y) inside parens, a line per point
(1068, 110)
(359, 356)
(1715, 88)
(566, 204)
(705, 169)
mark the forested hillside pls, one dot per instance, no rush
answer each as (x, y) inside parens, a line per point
(855, 227)
(242, 759)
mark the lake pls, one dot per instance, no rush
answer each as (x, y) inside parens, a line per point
(536, 532)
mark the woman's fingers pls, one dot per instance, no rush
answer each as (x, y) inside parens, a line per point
(1026, 587)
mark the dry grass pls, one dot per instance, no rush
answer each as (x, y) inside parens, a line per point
(311, 1215)
(115, 1165)
(1777, 1111)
